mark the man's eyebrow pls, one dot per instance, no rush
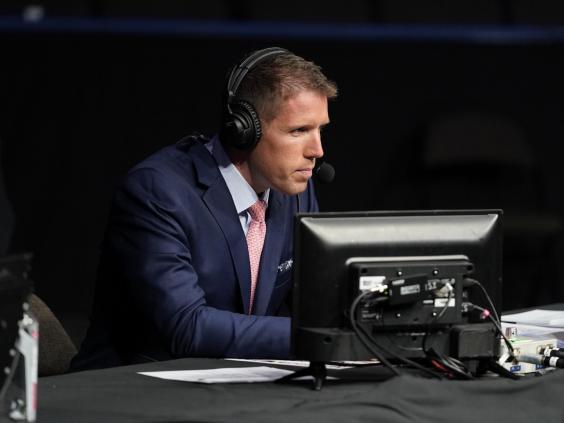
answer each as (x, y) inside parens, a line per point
(307, 126)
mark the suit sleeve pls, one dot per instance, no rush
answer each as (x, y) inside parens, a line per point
(152, 252)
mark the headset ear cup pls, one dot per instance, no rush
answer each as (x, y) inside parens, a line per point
(242, 129)
(241, 125)
(231, 130)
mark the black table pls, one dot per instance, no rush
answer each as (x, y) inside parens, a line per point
(362, 395)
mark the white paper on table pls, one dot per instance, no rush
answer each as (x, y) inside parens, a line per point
(537, 317)
(295, 363)
(226, 375)
(300, 363)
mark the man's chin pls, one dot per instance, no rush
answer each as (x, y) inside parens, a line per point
(292, 189)
(298, 190)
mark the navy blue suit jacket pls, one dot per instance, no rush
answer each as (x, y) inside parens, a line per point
(174, 277)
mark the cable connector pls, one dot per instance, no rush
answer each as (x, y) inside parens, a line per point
(552, 352)
(444, 289)
(468, 282)
(542, 360)
(484, 312)
(467, 307)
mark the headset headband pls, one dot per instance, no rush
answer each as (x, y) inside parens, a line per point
(239, 72)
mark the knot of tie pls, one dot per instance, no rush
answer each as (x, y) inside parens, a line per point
(258, 211)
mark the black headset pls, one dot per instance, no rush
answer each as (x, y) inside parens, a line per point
(241, 124)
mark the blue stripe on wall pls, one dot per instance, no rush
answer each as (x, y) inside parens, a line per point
(479, 34)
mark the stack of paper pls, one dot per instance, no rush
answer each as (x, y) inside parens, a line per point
(543, 322)
(226, 375)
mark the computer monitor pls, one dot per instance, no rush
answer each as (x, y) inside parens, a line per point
(408, 256)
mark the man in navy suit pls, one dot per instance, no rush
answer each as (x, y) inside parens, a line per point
(175, 273)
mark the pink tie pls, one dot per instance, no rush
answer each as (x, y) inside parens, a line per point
(255, 241)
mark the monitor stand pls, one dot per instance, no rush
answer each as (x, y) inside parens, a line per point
(316, 369)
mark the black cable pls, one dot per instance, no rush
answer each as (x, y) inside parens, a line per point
(449, 363)
(497, 320)
(401, 347)
(443, 311)
(398, 357)
(459, 365)
(496, 324)
(403, 359)
(360, 330)
(470, 282)
(452, 364)
(495, 367)
(357, 331)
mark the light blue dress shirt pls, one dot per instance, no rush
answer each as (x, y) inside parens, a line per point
(244, 196)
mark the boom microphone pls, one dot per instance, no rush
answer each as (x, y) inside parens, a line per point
(324, 173)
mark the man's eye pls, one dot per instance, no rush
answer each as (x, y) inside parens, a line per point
(299, 131)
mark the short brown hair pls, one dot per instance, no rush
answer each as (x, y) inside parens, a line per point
(278, 77)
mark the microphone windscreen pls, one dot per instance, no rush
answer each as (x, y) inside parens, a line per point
(325, 173)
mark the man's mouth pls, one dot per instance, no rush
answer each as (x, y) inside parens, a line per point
(306, 172)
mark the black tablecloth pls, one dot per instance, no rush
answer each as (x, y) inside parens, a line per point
(122, 395)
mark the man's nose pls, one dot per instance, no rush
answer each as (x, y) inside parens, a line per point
(314, 147)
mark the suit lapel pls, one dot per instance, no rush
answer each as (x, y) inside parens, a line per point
(272, 249)
(220, 204)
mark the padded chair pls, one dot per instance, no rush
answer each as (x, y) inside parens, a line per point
(56, 348)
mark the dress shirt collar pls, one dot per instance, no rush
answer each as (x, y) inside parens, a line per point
(244, 196)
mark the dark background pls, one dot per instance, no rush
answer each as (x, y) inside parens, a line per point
(442, 105)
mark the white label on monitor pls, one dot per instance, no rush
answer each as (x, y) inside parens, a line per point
(410, 289)
(441, 302)
(371, 283)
